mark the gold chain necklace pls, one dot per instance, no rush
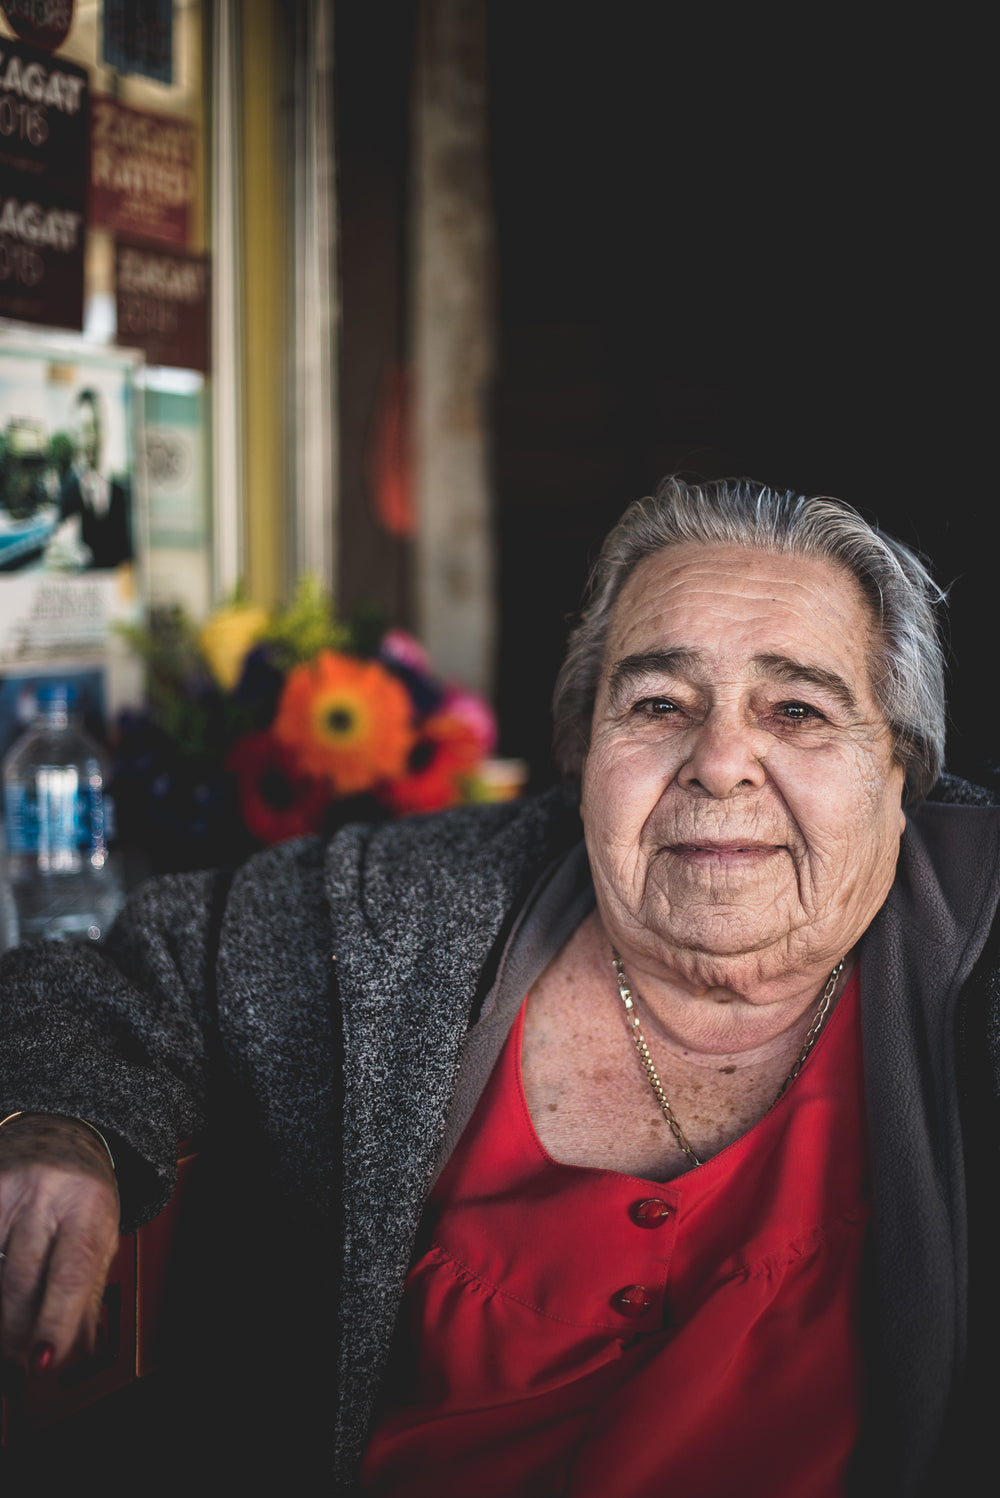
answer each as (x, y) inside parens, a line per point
(646, 1060)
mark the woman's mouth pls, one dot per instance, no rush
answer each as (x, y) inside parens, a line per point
(729, 854)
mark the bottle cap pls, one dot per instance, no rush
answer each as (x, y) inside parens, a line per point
(56, 694)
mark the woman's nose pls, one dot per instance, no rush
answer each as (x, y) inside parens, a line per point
(726, 756)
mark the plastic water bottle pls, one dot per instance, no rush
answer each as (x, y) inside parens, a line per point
(58, 817)
(8, 911)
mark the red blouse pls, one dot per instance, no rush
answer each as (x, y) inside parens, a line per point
(581, 1332)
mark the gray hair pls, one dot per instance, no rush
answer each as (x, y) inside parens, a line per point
(907, 669)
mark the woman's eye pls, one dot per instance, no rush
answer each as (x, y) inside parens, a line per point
(656, 707)
(796, 712)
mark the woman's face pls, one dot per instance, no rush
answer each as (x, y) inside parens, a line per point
(741, 801)
(87, 434)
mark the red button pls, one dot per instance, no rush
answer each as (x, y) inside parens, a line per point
(634, 1300)
(651, 1213)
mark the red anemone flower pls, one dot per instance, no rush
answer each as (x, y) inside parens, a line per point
(445, 754)
(276, 800)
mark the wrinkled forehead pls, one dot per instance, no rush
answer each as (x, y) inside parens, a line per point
(725, 606)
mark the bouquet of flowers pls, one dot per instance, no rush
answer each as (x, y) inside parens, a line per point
(261, 727)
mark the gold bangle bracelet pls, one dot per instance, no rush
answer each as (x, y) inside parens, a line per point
(93, 1129)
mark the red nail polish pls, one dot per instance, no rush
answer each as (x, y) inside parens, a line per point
(41, 1359)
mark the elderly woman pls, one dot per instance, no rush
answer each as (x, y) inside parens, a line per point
(656, 1159)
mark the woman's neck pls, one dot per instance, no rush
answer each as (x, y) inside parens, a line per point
(711, 1013)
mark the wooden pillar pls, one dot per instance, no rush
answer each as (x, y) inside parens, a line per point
(266, 212)
(453, 341)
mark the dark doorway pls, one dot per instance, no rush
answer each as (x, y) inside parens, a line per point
(726, 248)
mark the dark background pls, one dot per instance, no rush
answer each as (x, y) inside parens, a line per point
(726, 246)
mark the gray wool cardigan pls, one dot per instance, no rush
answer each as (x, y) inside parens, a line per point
(324, 1020)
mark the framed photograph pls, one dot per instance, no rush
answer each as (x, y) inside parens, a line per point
(72, 527)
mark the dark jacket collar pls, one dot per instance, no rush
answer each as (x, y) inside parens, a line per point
(917, 959)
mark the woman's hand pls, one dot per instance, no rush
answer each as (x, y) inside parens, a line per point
(59, 1216)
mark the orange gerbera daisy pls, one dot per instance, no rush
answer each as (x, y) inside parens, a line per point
(347, 720)
(446, 752)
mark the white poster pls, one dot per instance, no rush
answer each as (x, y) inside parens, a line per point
(72, 528)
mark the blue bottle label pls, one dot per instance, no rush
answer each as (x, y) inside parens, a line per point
(58, 819)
